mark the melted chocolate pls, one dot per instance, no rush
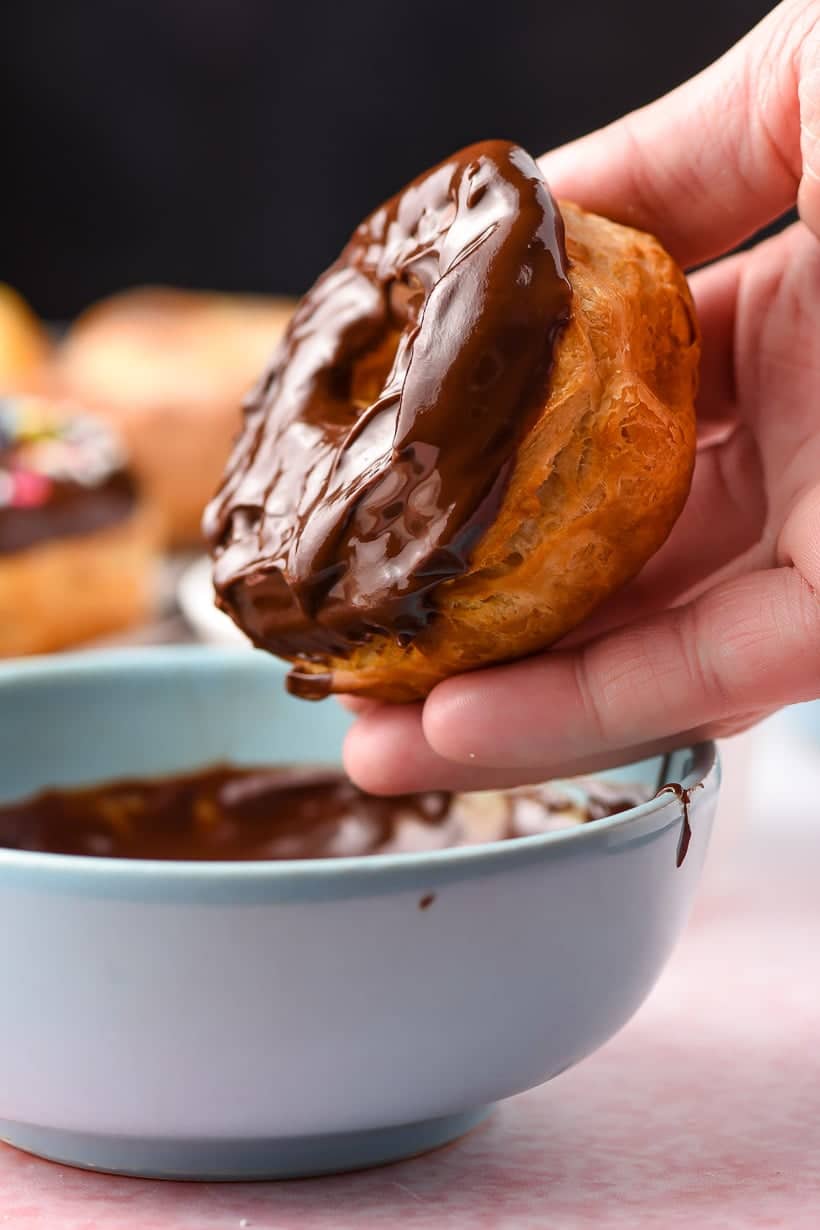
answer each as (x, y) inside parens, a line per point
(227, 814)
(685, 797)
(61, 475)
(376, 452)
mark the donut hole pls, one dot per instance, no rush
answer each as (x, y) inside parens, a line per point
(368, 374)
(360, 381)
(405, 297)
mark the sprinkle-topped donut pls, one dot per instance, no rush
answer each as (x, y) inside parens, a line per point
(376, 451)
(61, 473)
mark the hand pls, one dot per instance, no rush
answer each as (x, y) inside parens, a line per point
(723, 626)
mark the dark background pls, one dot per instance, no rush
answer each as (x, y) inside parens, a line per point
(234, 144)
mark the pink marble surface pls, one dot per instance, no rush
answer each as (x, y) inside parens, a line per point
(704, 1112)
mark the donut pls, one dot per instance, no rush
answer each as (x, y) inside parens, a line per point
(479, 424)
(25, 347)
(77, 542)
(168, 369)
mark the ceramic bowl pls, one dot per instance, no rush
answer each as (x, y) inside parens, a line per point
(805, 720)
(255, 1020)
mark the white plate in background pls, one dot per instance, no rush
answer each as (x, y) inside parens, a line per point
(195, 595)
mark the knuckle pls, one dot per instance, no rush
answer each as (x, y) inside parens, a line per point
(639, 675)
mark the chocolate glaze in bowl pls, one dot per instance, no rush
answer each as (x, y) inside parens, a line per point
(226, 813)
(263, 1019)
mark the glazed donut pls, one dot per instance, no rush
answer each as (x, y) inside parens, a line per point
(168, 369)
(479, 424)
(77, 543)
(25, 347)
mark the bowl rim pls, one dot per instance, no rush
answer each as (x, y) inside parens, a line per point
(635, 824)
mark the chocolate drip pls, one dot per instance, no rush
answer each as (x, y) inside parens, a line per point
(685, 797)
(227, 814)
(377, 450)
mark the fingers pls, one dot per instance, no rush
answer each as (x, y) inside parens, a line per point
(391, 756)
(808, 200)
(706, 670)
(750, 644)
(386, 753)
(721, 156)
(715, 291)
(357, 704)
(799, 542)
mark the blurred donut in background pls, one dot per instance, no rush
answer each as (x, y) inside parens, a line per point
(168, 369)
(25, 345)
(78, 541)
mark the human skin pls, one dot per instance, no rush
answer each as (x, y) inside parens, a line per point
(723, 625)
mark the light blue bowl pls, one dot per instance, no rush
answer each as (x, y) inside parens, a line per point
(251, 1020)
(806, 719)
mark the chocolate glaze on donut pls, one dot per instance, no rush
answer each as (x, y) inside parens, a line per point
(377, 449)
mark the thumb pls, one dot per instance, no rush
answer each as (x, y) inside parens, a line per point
(721, 156)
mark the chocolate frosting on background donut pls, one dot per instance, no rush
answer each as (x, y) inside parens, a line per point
(62, 474)
(376, 451)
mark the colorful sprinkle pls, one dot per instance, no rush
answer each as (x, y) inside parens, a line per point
(42, 444)
(31, 490)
